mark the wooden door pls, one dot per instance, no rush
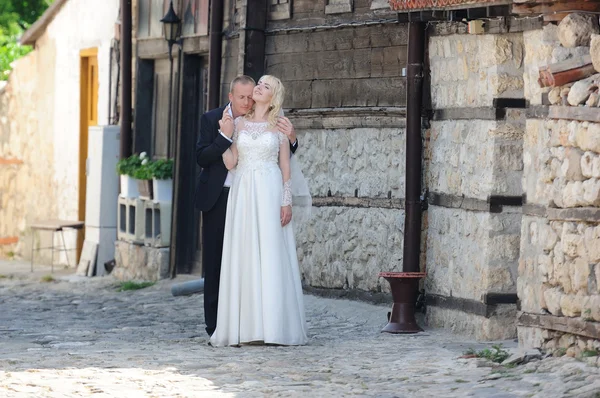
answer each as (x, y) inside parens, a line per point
(88, 109)
(186, 218)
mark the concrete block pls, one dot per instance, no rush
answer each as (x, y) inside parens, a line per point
(130, 220)
(157, 224)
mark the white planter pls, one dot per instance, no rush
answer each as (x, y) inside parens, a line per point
(129, 187)
(162, 190)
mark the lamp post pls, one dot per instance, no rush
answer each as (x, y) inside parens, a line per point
(172, 33)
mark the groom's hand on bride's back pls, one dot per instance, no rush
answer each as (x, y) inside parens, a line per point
(286, 127)
(286, 215)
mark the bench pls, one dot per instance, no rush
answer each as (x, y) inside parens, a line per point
(54, 226)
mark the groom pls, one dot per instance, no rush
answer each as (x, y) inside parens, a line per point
(212, 185)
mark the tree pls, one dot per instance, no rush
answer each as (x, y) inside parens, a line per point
(16, 16)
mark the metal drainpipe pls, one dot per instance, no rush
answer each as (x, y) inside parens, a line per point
(412, 213)
(126, 26)
(214, 54)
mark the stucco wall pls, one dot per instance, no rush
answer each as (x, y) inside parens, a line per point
(49, 94)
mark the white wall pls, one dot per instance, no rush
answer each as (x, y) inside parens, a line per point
(80, 24)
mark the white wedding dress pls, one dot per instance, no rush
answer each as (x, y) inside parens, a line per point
(260, 291)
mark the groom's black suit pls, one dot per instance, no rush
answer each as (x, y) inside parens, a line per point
(211, 199)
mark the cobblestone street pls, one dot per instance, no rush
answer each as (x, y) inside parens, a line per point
(78, 337)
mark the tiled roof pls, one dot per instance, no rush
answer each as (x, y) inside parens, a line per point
(427, 4)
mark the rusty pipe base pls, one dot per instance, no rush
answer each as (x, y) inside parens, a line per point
(405, 288)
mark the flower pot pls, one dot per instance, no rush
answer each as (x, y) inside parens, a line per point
(145, 189)
(163, 190)
(129, 187)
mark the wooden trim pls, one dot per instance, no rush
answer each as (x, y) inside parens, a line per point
(339, 201)
(557, 7)
(9, 240)
(10, 161)
(493, 204)
(563, 324)
(585, 214)
(578, 113)
(468, 306)
(88, 52)
(479, 113)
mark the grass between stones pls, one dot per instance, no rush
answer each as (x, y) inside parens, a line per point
(496, 354)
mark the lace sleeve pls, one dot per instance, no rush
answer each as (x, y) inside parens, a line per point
(237, 124)
(282, 137)
(286, 200)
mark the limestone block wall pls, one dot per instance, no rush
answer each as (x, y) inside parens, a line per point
(559, 266)
(473, 159)
(356, 177)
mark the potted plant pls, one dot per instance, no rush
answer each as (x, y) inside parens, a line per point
(143, 175)
(126, 168)
(162, 179)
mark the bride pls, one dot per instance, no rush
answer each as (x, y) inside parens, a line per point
(260, 293)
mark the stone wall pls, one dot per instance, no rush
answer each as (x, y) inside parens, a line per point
(473, 156)
(559, 267)
(356, 177)
(26, 157)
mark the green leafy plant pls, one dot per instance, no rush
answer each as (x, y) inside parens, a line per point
(129, 165)
(162, 169)
(48, 278)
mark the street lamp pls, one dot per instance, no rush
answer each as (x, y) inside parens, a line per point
(171, 28)
(172, 32)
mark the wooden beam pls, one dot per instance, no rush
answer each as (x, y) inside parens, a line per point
(255, 38)
(561, 73)
(558, 7)
(563, 324)
(579, 113)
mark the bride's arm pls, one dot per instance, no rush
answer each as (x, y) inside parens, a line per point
(284, 165)
(230, 157)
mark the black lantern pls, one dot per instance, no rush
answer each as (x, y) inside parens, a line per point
(171, 27)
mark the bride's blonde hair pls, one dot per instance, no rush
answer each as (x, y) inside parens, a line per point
(276, 100)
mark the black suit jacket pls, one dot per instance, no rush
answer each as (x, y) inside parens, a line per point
(209, 151)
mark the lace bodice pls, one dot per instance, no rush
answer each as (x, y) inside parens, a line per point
(257, 144)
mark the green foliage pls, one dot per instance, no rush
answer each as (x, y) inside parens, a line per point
(128, 165)
(589, 353)
(16, 16)
(134, 285)
(162, 169)
(141, 167)
(48, 278)
(496, 354)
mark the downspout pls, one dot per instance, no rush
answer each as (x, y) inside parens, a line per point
(405, 285)
(412, 213)
(126, 27)
(214, 53)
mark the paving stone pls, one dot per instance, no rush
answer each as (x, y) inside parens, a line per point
(82, 338)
